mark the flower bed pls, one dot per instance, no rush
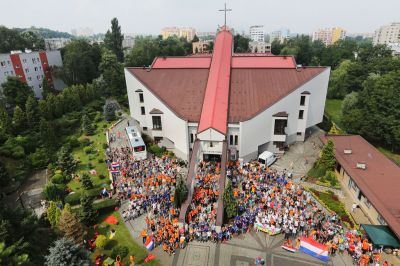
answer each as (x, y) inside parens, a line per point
(331, 202)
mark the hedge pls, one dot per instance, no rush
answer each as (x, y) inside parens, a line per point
(75, 198)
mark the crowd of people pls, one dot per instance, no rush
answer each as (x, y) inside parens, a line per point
(268, 200)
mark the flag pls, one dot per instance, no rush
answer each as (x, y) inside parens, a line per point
(149, 258)
(149, 244)
(116, 171)
(115, 165)
(313, 248)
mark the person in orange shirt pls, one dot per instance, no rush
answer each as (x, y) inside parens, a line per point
(144, 235)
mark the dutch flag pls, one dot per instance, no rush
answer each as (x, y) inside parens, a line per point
(313, 248)
(149, 244)
(114, 171)
(115, 165)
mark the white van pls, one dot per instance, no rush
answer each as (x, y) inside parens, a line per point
(266, 158)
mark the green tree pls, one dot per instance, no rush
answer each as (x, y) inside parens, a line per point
(86, 181)
(32, 40)
(113, 40)
(335, 130)
(10, 255)
(47, 135)
(52, 213)
(66, 162)
(240, 44)
(18, 120)
(32, 112)
(337, 82)
(5, 124)
(16, 92)
(46, 89)
(230, 202)
(88, 214)
(54, 192)
(80, 63)
(87, 125)
(113, 74)
(4, 175)
(327, 159)
(66, 252)
(109, 111)
(71, 227)
(195, 39)
(181, 192)
(10, 39)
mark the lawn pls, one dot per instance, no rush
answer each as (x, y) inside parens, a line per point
(333, 109)
(395, 157)
(96, 159)
(122, 237)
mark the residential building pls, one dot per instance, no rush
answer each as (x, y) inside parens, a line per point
(260, 47)
(31, 67)
(387, 34)
(329, 35)
(369, 179)
(128, 42)
(229, 105)
(185, 32)
(206, 35)
(257, 33)
(201, 47)
(280, 35)
(56, 43)
(395, 49)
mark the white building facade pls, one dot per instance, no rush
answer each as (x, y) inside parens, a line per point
(387, 34)
(257, 33)
(31, 67)
(259, 47)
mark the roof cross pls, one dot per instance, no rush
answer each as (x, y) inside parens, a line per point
(225, 10)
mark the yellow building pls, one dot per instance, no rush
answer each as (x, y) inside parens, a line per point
(201, 47)
(169, 32)
(185, 32)
(338, 34)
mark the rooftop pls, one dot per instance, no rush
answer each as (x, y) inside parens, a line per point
(379, 181)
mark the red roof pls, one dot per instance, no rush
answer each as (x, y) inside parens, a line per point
(182, 62)
(263, 62)
(379, 182)
(214, 113)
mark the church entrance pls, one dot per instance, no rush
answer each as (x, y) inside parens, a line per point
(211, 157)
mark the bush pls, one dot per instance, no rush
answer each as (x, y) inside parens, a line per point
(39, 158)
(104, 125)
(105, 145)
(73, 141)
(85, 142)
(100, 160)
(101, 176)
(119, 250)
(74, 198)
(103, 206)
(317, 171)
(54, 192)
(157, 150)
(57, 179)
(88, 149)
(331, 178)
(101, 241)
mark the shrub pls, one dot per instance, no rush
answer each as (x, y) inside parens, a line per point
(120, 250)
(88, 149)
(85, 142)
(39, 158)
(104, 125)
(74, 198)
(157, 150)
(105, 206)
(101, 176)
(101, 241)
(73, 141)
(57, 179)
(90, 165)
(105, 145)
(317, 171)
(100, 160)
(54, 192)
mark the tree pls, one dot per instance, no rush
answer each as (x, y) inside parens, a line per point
(109, 111)
(113, 74)
(18, 120)
(230, 202)
(33, 41)
(10, 39)
(87, 125)
(54, 192)
(4, 175)
(113, 40)
(335, 130)
(240, 44)
(86, 181)
(16, 92)
(80, 63)
(52, 215)
(32, 112)
(10, 255)
(101, 241)
(65, 252)
(181, 192)
(46, 89)
(327, 159)
(88, 214)
(195, 39)
(47, 135)
(65, 161)
(5, 124)
(71, 227)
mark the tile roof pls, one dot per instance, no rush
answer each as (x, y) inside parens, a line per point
(251, 90)
(379, 182)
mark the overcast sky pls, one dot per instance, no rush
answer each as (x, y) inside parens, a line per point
(149, 16)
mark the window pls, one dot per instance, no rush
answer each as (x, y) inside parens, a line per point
(34, 60)
(36, 68)
(279, 144)
(302, 100)
(157, 123)
(24, 60)
(141, 97)
(381, 220)
(40, 86)
(142, 110)
(3, 63)
(298, 133)
(301, 114)
(231, 140)
(145, 128)
(280, 125)
(139, 148)
(6, 73)
(38, 77)
(191, 138)
(236, 139)
(367, 203)
(352, 184)
(12, 72)
(158, 139)
(26, 70)
(30, 78)
(8, 62)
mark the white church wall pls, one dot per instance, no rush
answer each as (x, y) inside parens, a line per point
(257, 131)
(173, 127)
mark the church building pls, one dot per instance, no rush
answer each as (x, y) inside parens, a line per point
(241, 104)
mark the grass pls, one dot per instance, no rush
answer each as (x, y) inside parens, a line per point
(97, 159)
(395, 157)
(122, 237)
(333, 109)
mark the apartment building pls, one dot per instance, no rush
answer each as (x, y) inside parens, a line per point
(185, 32)
(387, 34)
(257, 33)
